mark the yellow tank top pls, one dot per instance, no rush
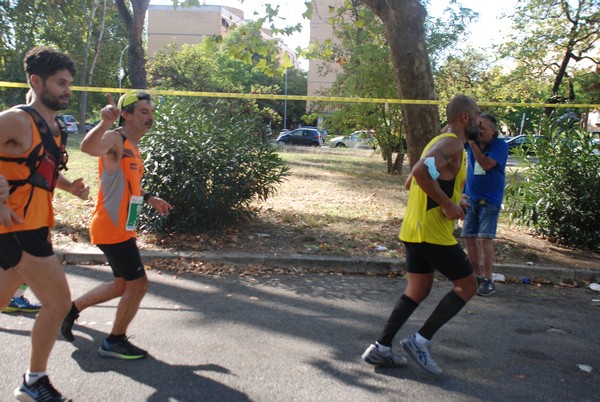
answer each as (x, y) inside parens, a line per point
(424, 221)
(39, 212)
(115, 191)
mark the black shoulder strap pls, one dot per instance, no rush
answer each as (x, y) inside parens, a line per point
(46, 134)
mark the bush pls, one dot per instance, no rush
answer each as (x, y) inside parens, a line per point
(203, 158)
(558, 191)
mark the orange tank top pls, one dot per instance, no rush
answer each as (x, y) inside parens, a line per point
(108, 225)
(39, 212)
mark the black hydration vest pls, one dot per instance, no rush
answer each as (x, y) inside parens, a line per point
(45, 166)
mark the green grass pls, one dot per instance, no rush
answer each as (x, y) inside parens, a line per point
(71, 213)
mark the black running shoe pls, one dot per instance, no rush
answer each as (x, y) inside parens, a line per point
(66, 329)
(40, 391)
(122, 349)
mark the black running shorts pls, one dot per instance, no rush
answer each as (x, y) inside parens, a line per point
(450, 261)
(124, 259)
(34, 242)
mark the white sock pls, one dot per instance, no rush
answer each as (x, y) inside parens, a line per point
(421, 340)
(30, 377)
(21, 291)
(382, 348)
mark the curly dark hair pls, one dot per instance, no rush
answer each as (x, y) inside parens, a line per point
(44, 61)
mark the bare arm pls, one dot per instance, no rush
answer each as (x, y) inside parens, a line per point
(7, 215)
(448, 157)
(15, 132)
(485, 162)
(4, 189)
(76, 187)
(99, 141)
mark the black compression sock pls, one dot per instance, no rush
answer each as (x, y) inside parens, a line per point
(447, 308)
(403, 309)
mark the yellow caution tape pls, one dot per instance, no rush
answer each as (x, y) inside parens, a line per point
(307, 98)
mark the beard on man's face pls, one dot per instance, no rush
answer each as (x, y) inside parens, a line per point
(54, 102)
(472, 130)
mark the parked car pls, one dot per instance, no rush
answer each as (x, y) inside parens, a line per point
(523, 141)
(357, 138)
(69, 122)
(595, 146)
(301, 136)
(89, 126)
(323, 133)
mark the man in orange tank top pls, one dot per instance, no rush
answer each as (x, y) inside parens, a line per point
(113, 225)
(26, 215)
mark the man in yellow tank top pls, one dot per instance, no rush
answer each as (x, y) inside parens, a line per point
(113, 226)
(26, 215)
(435, 188)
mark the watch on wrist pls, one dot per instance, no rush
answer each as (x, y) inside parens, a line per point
(148, 195)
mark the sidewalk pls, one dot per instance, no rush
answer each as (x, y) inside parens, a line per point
(89, 255)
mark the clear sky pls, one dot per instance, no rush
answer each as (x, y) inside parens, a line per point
(483, 33)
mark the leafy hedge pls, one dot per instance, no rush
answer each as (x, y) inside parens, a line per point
(558, 191)
(205, 159)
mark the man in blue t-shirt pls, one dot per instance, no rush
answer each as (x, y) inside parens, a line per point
(485, 190)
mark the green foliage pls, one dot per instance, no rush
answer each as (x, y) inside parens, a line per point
(445, 33)
(209, 67)
(474, 73)
(557, 191)
(203, 158)
(554, 38)
(63, 25)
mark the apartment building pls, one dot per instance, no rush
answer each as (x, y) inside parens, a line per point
(322, 73)
(190, 25)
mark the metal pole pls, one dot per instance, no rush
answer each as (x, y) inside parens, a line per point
(285, 103)
(121, 72)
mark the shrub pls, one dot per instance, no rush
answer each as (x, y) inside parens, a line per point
(203, 158)
(558, 191)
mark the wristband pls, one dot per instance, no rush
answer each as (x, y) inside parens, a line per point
(148, 195)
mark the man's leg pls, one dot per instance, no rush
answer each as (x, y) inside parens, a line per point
(487, 248)
(473, 253)
(129, 304)
(10, 281)
(117, 345)
(100, 294)
(47, 280)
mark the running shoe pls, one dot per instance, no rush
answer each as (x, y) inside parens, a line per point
(122, 349)
(486, 287)
(383, 359)
(40, 391)
(21, 305)
(66, 329)
(421, 355)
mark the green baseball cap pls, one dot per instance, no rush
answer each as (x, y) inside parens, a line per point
(131, 97)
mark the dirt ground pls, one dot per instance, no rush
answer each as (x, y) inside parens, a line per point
(329, 210)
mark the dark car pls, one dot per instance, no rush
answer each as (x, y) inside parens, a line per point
(323, 133)
(301, 136)
(89, 126)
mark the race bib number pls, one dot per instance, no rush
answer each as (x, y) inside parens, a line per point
(135, 207)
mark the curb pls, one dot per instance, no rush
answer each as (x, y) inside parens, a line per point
(319, 263)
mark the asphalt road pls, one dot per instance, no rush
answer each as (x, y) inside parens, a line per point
(299, 338)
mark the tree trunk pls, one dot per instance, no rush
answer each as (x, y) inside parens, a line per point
(404, 22)
(398, 163)
(135, 27)
(88, 73)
